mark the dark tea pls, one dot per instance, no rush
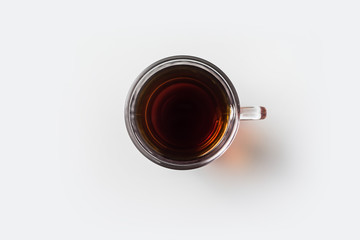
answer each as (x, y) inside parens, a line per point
(182, 111)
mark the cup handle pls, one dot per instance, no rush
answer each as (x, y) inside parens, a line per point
(252, 113)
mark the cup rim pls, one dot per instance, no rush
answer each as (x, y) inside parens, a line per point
(224, 142)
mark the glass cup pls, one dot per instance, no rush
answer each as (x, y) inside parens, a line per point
(191, 79)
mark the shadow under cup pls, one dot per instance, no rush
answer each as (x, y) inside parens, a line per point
(182, 112)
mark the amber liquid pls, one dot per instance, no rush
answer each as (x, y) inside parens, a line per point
(182, 112)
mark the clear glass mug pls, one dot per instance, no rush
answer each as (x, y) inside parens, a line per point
(139, 123)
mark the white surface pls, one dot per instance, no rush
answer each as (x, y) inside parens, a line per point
(68, 169)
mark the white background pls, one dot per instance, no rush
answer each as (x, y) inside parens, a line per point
(68, 169)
